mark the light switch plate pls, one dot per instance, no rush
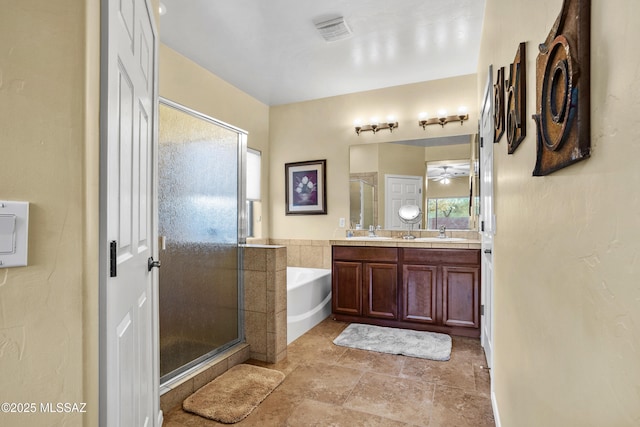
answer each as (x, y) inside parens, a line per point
(7, 234)
(14, 233)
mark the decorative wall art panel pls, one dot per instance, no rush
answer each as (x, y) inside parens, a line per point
(498, 106)
(517, 99)
(562, 116)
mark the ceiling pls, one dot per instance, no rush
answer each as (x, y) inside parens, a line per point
(271, 49)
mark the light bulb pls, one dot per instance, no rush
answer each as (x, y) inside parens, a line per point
(462, 111)
(423, 115)
(442, 114)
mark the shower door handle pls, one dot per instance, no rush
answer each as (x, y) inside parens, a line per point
(151, 263)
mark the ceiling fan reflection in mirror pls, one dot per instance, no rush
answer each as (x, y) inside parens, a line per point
(445, 173)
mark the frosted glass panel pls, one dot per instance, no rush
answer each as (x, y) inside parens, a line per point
(198, 217)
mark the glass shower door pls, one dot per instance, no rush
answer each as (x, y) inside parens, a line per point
(198, 213)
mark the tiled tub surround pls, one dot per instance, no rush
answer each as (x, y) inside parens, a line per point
(306, 253)
(265, 301)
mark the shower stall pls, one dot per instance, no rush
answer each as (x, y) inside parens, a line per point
(201, 214)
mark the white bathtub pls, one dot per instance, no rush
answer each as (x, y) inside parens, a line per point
(308, 299)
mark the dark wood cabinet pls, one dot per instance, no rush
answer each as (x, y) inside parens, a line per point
(381, 290)
(461, 296)
(347, 297)
(365, 282)
(441, 288)
(415, 288)
(419, 293)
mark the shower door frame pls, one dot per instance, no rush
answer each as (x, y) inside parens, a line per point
(177, 375)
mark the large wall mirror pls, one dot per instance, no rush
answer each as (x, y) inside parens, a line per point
(438, 174)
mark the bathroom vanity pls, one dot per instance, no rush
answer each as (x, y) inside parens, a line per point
(398, 283)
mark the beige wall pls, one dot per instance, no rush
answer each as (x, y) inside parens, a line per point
(185, 82)
(567, 299)
(448, 152)
(49, 70)
(323, 129)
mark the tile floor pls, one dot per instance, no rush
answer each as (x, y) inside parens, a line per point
(328, 385)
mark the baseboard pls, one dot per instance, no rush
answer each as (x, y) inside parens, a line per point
(160, 418)
(494, 405)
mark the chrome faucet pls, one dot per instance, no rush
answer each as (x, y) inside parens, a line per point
(372, 231)
(442, 234)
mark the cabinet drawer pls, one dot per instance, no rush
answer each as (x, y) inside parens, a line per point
(441, 256)
(359, 253)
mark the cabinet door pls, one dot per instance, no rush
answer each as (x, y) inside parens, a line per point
(419, 293)
(347, 288)
(461, 296)
(381, 290)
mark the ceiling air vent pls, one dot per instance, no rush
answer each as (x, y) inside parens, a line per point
(333, 29)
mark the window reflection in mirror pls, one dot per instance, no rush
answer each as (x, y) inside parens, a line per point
(449, 212)
(378, 159)
(448, 193)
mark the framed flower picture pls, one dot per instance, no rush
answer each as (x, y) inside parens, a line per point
(306, 190)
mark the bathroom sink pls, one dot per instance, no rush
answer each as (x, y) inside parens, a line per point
(439, 239)
(368, 238)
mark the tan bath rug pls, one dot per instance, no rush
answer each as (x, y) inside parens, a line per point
(233, 395)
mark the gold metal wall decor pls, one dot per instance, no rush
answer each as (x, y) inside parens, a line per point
(517, 99)
(498, 106)
(563, 101)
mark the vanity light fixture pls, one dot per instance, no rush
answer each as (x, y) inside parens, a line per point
(375, 125)
(443, 118)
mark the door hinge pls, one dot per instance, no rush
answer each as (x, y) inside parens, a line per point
(113, 252)
(482, 225)
(481, 142)
(482, 310)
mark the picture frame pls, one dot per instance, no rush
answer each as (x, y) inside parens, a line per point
(305, 187)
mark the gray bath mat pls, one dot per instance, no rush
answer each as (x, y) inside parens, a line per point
(425, 345)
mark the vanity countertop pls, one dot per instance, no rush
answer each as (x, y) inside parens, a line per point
(404, 243)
